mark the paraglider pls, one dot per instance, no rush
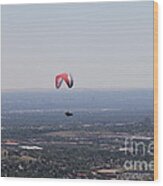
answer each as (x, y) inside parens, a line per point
(68, 114)
(67, 78)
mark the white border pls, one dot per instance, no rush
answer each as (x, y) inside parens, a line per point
(63, 182)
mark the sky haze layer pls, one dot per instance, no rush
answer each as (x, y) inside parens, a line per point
(103, 45)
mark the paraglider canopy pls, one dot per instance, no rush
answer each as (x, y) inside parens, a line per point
(67, 78)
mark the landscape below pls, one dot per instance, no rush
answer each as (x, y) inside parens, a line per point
(109, 136)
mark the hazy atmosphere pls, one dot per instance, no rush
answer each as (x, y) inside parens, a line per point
(99, 44)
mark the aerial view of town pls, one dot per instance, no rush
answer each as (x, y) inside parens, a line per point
(97, 142)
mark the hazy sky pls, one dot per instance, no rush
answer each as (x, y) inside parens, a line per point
(103, 45)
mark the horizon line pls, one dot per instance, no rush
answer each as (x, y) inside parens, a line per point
(65, 89)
